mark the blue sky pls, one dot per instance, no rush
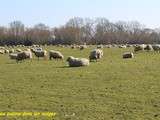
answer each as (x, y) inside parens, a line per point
(57, 12)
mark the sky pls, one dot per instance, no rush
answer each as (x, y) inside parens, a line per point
(58, 12)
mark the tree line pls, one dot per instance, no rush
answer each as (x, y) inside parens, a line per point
(79, 31)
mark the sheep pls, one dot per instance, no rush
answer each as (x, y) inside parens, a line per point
(11, 51)
(19, 50)
(6, 51)
(13, 56)
(122, 46)
(156, 47)
(99, 46)
(82, 47)
(2, 51)
(95, 54)
(128, 55)
(108, 46)
(40, 53)
(77, 62)
(139, 47)
(148, 48)
(24, 55)
(55, 55)
(28, 54)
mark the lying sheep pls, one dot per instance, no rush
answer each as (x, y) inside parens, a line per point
(95, 54)
(13, 56)
(128, 55)
(122, 46)
(55, 55)
(77, 62)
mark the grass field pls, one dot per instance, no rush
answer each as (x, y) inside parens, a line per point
(111, 89)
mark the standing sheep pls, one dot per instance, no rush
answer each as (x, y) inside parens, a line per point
(96, 54)
(24, 55)
(55, 55)
(77, 62)
(40, 53)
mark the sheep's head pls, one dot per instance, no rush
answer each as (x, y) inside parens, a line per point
(70, 58)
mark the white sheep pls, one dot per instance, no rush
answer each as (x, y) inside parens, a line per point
(40, 53)
(128, 55)
(139, 47)
(55, 55)
(13, 56)
(77, 62)
(96, 54)
(24, 55)
(156, 47)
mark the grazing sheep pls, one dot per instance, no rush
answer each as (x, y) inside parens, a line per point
(95, 54)
(11, 51)
(55, 55)
(6, 51)
(139, 47)
(24, 55)
(77, 62)
(28, 54)
(2, 51)
(156, 47)
(148, 48)
(40, 53)
(13, 56)
(128, 55)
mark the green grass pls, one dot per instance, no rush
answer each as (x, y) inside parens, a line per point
(111, 89)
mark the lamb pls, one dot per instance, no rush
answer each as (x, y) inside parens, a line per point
(55, 55)
(77, 62)
(128, 55)
(96, 54)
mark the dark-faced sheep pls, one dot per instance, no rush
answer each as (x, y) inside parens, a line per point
(128, 55)
(40, 53)
(95, 54)
(55, 55)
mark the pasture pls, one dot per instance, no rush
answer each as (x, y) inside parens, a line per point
(110, 89)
